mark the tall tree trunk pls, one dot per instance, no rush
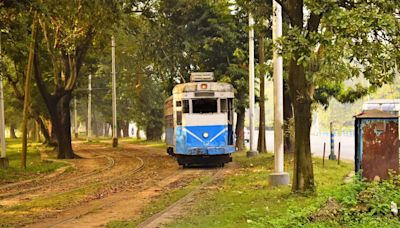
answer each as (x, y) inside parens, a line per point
(44, 130)
(61, 122)
(153, 132)
(106, 130)
(261, 146)
(53, 136)
(303, 175)
(138, 132)
(58, 106)
(125, 129)
(239, 131)
(288, 119)
(37, 132)
(12, 131)
(119, 129)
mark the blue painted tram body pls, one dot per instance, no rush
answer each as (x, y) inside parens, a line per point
(199, 122)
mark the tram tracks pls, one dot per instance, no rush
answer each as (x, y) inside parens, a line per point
(133, 169)
(137, 169)
(47, 182)
(106, 181)
(69, 221)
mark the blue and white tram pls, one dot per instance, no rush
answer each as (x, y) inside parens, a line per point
(199, 122)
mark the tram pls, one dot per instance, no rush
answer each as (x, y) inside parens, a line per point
(199, 121)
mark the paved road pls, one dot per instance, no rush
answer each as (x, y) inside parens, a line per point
(317, 144)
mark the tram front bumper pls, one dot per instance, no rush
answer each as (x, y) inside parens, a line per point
(210, 150)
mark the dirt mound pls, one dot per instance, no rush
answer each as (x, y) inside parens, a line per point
(330, 210)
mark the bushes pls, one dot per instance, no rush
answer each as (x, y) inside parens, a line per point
(368, 204)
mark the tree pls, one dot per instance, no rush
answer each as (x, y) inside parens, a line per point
(263, 29)
(187, 36)
(335, 41)
(15, 43)
(67, 30)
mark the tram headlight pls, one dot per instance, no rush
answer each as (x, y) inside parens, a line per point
(205, 134)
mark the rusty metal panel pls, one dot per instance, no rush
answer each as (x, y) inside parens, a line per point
(380, 147)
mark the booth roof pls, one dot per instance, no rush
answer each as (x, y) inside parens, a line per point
(375, 114)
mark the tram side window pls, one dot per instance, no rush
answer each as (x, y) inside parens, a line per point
(205, 105)
(178, 118)
(185, 107)
(224, 106)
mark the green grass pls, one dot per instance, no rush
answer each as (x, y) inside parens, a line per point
(159, 204)
(23, 214)
(246, 200)
(107, 141)
(56, 201)
(35, 165)
(153, 144)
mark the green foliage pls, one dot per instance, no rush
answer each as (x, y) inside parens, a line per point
(353, 40)
(368, 203)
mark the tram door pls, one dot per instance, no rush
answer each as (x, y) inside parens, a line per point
(227, 107)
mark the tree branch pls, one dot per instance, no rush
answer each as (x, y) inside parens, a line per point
(38, 77)
(313, 22)
(18, 94)
(284, 5)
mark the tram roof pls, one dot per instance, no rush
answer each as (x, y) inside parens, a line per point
(194, 86)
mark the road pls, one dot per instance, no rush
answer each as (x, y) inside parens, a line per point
(317, 144)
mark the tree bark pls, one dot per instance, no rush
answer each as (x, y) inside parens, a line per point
(58, 106)
(261, 145)
(44, 130)
(12, 131)
(239, 131)
(53, 136)
(288, 119)
(106, 130)
(61, 122)
(138, 133)
(119, 129)
(153, 132)
(303, 175)
(125, 129)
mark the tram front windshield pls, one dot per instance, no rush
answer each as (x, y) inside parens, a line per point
(205, 105)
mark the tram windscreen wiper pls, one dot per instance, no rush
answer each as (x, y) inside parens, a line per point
(205, 105)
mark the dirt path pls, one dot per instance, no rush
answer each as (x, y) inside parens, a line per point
(185, 204)
(126, 179)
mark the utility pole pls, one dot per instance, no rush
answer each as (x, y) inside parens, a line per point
(114, 96)
(27, 94)
(89, 123)
(279, 177)
(332, 155)
(253, 151)
(75, 119)
(3, 158)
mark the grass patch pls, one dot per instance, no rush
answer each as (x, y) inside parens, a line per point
(107, 141)
(153, 144)
(159, 204)
(56, 201)
(35, 165)
(246, 200)
(23, 214)
(98, 141)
